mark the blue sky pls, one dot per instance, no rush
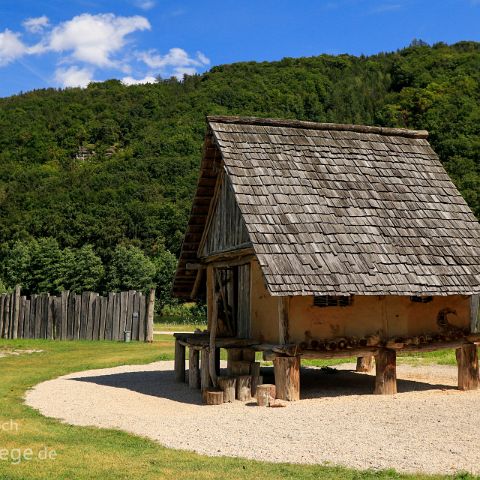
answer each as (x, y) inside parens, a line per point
(62, 43)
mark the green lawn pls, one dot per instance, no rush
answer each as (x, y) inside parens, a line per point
(89, 453)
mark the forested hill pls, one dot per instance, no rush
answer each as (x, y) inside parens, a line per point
(112, 164)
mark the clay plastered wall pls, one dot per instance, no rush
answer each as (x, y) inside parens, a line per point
(388, 315)
(264, 308)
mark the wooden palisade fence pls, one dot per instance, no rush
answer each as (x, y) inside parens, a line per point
(70, 316)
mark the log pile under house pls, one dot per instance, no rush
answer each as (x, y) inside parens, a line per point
(322, 241)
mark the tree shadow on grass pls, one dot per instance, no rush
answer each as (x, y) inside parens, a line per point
(315, 383)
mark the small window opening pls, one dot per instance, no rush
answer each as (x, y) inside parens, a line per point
(420, 299)
(332, 300)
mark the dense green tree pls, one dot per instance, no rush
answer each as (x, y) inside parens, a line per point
(130, 269)
(46, 268)
(165, 265)
(83, 268)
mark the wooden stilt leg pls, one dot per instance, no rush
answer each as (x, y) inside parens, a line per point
(248, 355)
(467, 361)
(233, 355)
(386, 375)
(179, 362)
(287, 377)
(217, 361)
(204, 371)
(364, 364)
(193, 369)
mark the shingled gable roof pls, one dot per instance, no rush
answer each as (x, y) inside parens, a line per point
(339, 209)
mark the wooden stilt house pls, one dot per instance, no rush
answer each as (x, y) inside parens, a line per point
(322, 240)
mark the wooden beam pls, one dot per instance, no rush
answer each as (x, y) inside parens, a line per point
(239, 251)
(233, 262)
(474, 313)
(213, 336)
(197, 283)
(283, 307)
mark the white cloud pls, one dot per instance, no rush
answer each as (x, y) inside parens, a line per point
(145, 4)
(11, 47)
(86, 44)
(73, 76)
(176, 62)
(138, 81)
(94, 39)
(36, 24)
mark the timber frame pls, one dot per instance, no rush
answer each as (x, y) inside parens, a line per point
(290, 214)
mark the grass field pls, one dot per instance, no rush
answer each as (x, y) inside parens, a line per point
(89, 453)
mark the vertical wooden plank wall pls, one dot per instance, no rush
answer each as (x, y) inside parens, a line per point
(71, 316)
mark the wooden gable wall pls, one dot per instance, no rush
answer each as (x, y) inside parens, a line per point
(226, 228)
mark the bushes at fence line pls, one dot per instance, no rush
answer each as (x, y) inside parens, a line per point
(40, 266)
(71, 316)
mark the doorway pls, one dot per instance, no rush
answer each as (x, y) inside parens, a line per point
(233, 285)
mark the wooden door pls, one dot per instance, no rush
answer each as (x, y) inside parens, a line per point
(233, 285)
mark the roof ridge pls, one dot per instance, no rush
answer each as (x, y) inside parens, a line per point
(276, 122)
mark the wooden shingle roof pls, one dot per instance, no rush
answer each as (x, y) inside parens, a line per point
(344, 209)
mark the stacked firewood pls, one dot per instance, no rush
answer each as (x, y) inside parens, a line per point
(448, 333)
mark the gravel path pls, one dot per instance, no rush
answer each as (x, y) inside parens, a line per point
(428, 427)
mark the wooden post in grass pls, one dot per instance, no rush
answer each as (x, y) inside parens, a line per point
(386, 373)
(467, 361)
(179, 362)
(150, 311)
(364, 364)
(16, 311)
(287, 377)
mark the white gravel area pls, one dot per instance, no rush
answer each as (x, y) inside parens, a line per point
(429, 426)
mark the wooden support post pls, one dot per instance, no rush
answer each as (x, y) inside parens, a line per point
(244, 388)
(193, 369)
(150, 311)
(179, 362)
(467, 361)
(265, 394)
(283, 304)
(204, 369)
(248, 354)
(213, 337)
(364, 364)
(240, 368)
(233, 355)
(386, 373)
(287, 377)
(217, 361)
(257, 379)
(228, 386)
